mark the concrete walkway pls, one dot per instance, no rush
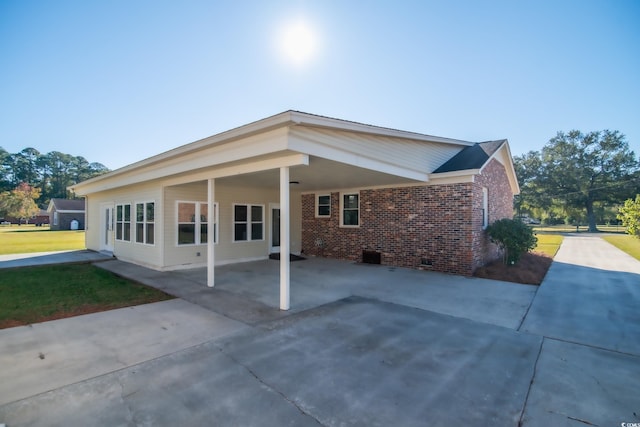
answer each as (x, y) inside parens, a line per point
(364, 345)
(48, 258)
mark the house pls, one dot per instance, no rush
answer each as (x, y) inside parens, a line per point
(62, 213)
(298, 183)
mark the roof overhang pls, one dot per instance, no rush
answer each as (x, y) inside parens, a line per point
(239, 150)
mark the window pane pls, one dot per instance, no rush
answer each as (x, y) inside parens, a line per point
(127, 213)
(240, 213)
(240, 232)
(324, 210)
(119, 231)
(204, 212)
(350, 217)
(139, 212)
(256, 231)
(324, 200)
(186, 212)
(256, 213)
(127, 231)
(150, 234)
(351, 201)
(203, 233)
(151, 208)
(186, 234)
(119, 213)
(139, 232)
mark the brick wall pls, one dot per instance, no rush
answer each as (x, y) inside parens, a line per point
(435, 227)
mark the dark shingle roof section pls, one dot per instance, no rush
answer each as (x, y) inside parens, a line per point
(473, 157)
(68, 205)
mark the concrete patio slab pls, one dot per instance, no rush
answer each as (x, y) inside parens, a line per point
(45, 356)
(249, 292)
(590, 296)
(352, 362)
(576, 385)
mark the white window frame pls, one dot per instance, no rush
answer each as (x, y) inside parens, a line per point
(317, 207)
(485, 207)
(249, 222)
(145, 221)
(198, 223)
(121, 224)
(342, 209)
(55, 217)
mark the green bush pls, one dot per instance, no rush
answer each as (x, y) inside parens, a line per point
(513, 237)
(629, 214)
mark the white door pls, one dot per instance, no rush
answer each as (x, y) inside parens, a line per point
(106, 227)
(274, 227)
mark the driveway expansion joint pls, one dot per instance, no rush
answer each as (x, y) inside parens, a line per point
(533, 378)
(270, 387)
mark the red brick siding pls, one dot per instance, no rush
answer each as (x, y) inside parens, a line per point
(494, 178)
(438, 224)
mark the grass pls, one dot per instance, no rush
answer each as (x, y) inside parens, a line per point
(36, 294)
(626, 243)
(564, 228)
(29, 238)
(548, 244)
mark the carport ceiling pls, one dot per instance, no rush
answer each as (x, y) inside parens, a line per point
(320, 174)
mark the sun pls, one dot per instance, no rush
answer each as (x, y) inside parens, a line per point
(298, 42)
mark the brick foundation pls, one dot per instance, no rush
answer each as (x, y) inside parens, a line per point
(435, 227)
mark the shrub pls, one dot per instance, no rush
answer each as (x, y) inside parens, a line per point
(630, 216)
(513, 237)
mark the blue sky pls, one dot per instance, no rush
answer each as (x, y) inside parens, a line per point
(119, 81)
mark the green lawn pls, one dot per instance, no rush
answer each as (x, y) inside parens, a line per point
(564, 228)
(29, 238)
(625, 242)
(548, 244)
(35, 294)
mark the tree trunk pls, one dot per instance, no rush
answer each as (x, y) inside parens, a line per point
(591, 217)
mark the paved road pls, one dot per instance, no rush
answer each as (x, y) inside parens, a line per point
(358, 360)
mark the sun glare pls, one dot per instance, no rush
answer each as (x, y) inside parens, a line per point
(298, 42)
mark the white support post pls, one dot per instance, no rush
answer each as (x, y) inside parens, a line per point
(284, 238)
(211, 216)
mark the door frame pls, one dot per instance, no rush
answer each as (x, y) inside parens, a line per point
(107, 226)
(272, 249)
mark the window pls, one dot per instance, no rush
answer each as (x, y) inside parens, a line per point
(485, 207)
(123, 222)
(248, 222)
(145, 222)
(55, 218)
(350, 210)
(323, 205)
(193, 227)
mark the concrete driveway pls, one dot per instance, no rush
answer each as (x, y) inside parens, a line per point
(387, 346)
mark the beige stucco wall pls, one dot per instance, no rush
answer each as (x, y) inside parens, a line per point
(148, 255)
(166, 253)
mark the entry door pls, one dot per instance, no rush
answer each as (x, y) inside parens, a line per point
(106, 227)
(274, 238)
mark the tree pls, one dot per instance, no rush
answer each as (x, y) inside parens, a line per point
(629, 214)
(580, 171)
(21, 202)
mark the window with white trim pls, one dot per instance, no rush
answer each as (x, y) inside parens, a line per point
(350, 210)
(123, 222)
(248, 222)
(145, 223)
(323, 205)
(55, 218)
(485, 207)
(193, 227)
